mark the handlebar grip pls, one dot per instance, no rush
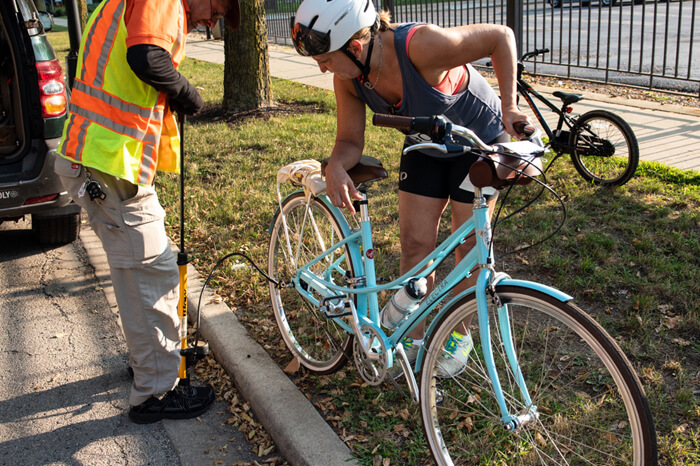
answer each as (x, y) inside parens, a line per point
(523, 128)
(533, 53)
(393, 121)
(434, 126)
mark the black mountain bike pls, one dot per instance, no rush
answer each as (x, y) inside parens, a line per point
(602, 146)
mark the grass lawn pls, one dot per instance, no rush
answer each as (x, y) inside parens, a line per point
(630, 256)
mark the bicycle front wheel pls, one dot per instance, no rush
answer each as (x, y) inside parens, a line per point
(604, 149)
(301, 232)
(590, 405)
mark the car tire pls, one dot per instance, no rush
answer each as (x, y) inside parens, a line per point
(56, 230)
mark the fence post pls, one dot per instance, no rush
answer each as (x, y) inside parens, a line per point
(389, 5)
(514, 20)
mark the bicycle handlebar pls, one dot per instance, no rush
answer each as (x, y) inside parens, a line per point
(437, 127)
(523, 128)
(495, 167)
(533, 53)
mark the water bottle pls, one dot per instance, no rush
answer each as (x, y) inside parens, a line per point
(405, 301)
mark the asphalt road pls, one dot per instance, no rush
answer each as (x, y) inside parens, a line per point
(63, 380)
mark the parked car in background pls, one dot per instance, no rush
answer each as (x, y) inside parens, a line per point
(33, 104)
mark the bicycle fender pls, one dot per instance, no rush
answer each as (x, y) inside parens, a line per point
(468, 294)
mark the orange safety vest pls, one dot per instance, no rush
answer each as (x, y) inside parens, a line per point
(117, 123)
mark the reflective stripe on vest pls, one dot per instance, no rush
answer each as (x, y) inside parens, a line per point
(116, 121)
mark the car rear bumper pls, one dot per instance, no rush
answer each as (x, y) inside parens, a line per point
(40, 194)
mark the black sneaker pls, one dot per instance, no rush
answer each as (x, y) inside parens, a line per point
(182, 402)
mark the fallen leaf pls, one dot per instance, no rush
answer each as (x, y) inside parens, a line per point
(293, 366)
(681, 428)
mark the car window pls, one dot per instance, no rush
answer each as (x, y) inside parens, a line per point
(26, 8)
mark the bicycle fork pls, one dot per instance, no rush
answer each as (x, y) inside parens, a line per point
(485, 283)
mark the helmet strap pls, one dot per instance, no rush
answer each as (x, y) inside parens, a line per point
(364, 68)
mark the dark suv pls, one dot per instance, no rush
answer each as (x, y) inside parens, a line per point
(33, 104)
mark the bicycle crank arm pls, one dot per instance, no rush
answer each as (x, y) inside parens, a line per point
(364, 342)
(408, 373)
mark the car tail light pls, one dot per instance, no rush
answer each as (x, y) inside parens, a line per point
(39, 200)
(53, 93)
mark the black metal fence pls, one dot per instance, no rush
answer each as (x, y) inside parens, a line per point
(649, 44)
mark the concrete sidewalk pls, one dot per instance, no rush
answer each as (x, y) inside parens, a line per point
(669, 134)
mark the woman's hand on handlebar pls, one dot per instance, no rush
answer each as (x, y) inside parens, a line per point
(339, 187)
(511, 118)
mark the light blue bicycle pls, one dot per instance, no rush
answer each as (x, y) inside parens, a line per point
(543, 383)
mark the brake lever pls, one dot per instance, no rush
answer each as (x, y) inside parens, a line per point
(448, 148)
(426, 145)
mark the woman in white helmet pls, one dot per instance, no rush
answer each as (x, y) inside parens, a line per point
(410, 69)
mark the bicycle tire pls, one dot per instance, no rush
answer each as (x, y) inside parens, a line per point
(604, 149)
(592, 407)
(320, 343)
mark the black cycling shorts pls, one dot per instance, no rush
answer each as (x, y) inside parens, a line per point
(438, 178)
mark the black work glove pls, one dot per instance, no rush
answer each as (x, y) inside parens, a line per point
(154, 66)
(188, 102)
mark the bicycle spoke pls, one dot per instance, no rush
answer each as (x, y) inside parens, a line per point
(308, 228)
(584, 417)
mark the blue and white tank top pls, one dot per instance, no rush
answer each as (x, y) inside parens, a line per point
(477, 107)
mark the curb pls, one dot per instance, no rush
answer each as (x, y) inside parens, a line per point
(301, 435)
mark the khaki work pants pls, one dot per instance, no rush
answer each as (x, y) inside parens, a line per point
(130, 225)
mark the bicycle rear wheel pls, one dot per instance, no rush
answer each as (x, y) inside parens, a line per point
(604, 148)
(319, 342)
(592, 408)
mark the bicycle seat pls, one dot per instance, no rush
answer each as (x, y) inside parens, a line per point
(568, 98)
(367, 170)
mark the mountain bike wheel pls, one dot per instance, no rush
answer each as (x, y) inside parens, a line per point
(319, 342)
(592, 407)
(604, 149)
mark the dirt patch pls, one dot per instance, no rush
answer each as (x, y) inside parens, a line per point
(217, 112)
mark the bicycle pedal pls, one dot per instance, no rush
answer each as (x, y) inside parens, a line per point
(332, 309)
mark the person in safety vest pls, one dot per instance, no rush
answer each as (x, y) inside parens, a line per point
(121, 130)
(411, 69)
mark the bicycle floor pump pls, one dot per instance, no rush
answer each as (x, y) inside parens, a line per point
(189, 355)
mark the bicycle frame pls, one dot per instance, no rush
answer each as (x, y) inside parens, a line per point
(366, 312)
(558, 139)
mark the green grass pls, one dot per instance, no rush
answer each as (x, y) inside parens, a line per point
(630, 256)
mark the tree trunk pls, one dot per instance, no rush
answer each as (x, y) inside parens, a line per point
(247, 63)
(82, 7)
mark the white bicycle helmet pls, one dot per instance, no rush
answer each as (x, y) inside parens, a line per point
(322, 26)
